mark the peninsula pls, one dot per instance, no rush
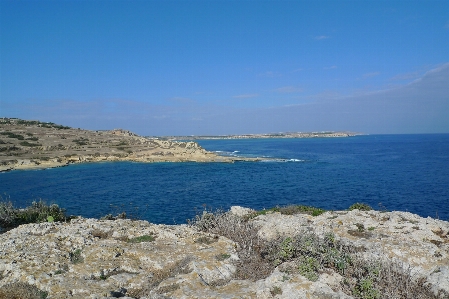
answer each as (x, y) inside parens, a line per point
(324, 134)
(36, 145)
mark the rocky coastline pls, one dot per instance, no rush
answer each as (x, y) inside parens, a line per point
(91, 258)
(39, 145)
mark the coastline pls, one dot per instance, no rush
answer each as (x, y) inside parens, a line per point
(27, 145)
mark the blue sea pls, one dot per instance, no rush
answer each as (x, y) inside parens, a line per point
(388, 172)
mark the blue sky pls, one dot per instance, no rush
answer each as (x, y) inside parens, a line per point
(227, 67)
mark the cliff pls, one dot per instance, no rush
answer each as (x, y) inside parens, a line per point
(89, 258)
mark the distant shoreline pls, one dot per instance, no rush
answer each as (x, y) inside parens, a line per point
(326, 134)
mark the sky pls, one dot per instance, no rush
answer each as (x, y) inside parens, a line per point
(227, 67)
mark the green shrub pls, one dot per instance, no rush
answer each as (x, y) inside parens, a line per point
(39, 211)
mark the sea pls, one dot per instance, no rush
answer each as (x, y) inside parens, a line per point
(388, 172)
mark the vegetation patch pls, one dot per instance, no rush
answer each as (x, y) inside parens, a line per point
(140, 239)
(76, 257)
(222, 256)
(13, 135)
(81, 141)
(289, 210)
(311, 255)
(29, 144)
(276, 291)
(360, 206)
(39, 211)
(21, 290)
(206, 240)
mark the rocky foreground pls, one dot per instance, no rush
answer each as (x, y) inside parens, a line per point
(90, 258)
(36, 145)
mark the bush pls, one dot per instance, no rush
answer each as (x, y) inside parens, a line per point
(39, 211)
(360, 206)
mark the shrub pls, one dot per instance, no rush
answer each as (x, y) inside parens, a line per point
(360, 206)
(13, 135)
(26, 143)
(39, 211)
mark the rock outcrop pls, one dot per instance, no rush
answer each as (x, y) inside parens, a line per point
(89, 258)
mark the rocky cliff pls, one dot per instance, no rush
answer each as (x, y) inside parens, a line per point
(89, 258)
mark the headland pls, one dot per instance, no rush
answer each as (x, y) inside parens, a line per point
(37, 145)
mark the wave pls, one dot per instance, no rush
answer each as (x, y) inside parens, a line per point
(282, 160)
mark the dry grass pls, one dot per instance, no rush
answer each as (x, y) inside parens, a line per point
(21, 290)
(180, 267)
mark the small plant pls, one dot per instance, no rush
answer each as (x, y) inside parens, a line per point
(360, 227)
(360, 206)
(222, 256)
(365, 289)
(276, 291)
(144, 238)
(308, 267)
(286, 251)
(76, 257)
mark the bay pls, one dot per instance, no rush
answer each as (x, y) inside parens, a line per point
(388, 172)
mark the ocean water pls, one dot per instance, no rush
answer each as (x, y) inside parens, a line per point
(388, 172)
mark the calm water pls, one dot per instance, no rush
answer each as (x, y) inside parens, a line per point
(402, 172)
